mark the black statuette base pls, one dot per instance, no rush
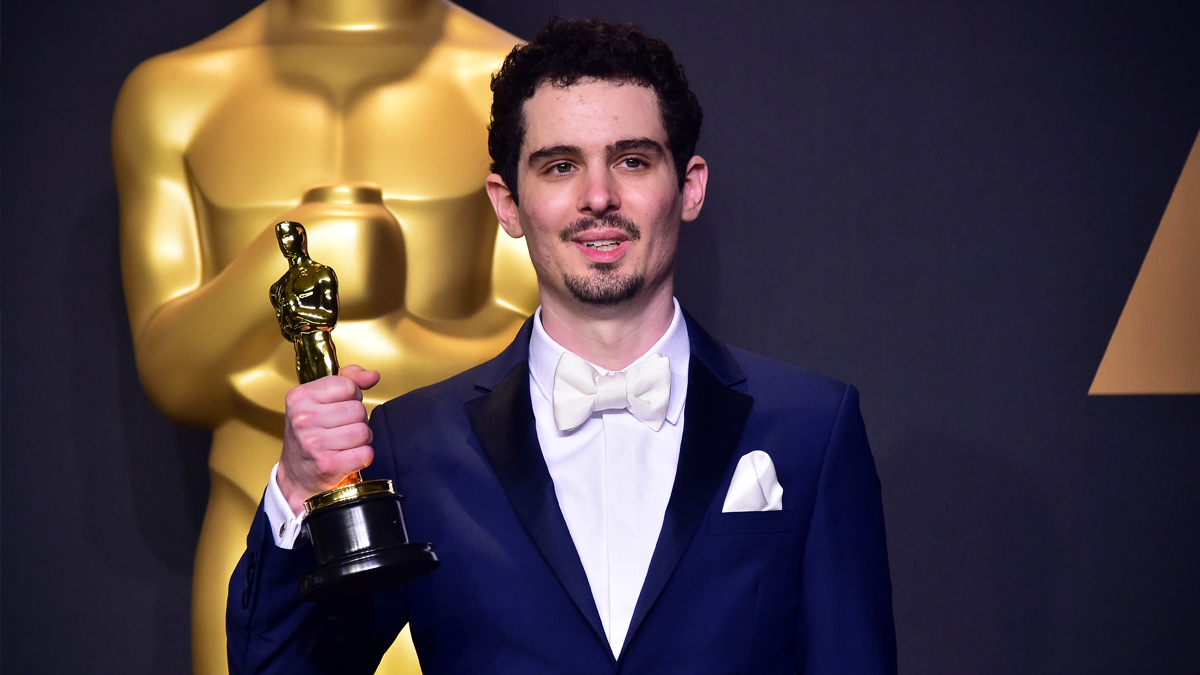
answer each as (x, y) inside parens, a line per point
(362, 546)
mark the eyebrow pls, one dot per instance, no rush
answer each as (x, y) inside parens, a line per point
(553, 151)
(643, 144)
(625, 145)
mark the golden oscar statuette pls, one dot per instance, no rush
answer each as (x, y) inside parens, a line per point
(356, 528)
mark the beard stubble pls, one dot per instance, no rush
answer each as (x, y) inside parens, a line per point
(606, 285)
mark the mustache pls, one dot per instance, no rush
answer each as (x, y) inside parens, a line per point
(613, 220)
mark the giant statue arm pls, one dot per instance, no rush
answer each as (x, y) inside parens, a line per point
(192, 325)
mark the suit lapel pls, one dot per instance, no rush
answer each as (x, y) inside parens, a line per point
(503, 422)
(714, 416)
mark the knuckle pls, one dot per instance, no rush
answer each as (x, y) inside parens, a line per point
(323, 466)
(294, 397)
(310, 442)
(300, 418)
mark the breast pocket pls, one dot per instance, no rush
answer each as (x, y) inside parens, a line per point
(750, 522)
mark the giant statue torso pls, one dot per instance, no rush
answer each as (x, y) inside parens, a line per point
(217, 142)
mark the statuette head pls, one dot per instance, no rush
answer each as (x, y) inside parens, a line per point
(292, 239)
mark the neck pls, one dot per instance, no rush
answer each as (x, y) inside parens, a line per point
(351, 15)
(610, 337)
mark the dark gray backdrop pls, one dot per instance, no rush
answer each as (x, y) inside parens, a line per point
(946, 205)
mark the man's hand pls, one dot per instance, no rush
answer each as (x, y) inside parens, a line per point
(325, 434)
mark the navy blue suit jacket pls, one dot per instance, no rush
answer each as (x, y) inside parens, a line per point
(802, 590)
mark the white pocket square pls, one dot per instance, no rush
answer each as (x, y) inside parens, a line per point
(754, 487)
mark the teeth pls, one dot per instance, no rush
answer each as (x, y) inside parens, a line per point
(602, 245)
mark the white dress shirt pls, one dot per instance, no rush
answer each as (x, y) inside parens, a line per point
(612, 475)
(285, 525)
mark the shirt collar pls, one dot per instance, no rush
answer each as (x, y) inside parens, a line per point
(544, 353)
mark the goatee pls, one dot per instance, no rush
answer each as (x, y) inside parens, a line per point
(606, 287)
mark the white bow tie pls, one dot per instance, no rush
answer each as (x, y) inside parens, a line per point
(644, 389)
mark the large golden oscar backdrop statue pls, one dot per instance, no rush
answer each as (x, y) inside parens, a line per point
(308, 110)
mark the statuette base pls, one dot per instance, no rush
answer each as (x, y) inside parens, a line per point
(362, 545)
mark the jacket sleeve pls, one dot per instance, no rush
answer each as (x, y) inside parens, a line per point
(270, 630)
(846, 619)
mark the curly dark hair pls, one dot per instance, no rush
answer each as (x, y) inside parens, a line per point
(566, 51)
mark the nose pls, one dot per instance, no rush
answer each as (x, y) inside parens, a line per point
(601, 193)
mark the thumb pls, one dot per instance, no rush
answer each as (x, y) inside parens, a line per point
(365, 379)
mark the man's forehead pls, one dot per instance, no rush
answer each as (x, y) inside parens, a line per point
(591, 112)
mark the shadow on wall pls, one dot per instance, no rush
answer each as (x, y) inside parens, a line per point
(970, 538)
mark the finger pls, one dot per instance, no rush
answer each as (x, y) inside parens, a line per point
(335, 466)
(345, 413)
(365, 379)
(327, 415)
(329, 389)
(357, 459)
(338, 439)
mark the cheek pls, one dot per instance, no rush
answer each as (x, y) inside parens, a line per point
(664, 242)
(541, 258)
(663, 232)
(541, 245)
(661, 207)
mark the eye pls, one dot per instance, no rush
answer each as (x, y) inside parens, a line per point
(561, 168)
(632, 162)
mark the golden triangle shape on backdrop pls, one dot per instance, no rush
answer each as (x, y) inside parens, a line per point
(1155, 348)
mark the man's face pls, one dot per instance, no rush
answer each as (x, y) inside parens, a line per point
(600, 199)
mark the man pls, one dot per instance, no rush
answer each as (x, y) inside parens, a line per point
(616, 491)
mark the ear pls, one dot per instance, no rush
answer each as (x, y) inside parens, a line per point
(504, 205)
(695, 182)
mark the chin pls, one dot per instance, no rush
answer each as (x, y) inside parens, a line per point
(604, 288)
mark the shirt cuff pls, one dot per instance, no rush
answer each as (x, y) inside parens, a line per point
(286, 527)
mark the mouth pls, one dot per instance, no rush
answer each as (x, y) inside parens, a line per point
(602, 240)
(602, 245)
